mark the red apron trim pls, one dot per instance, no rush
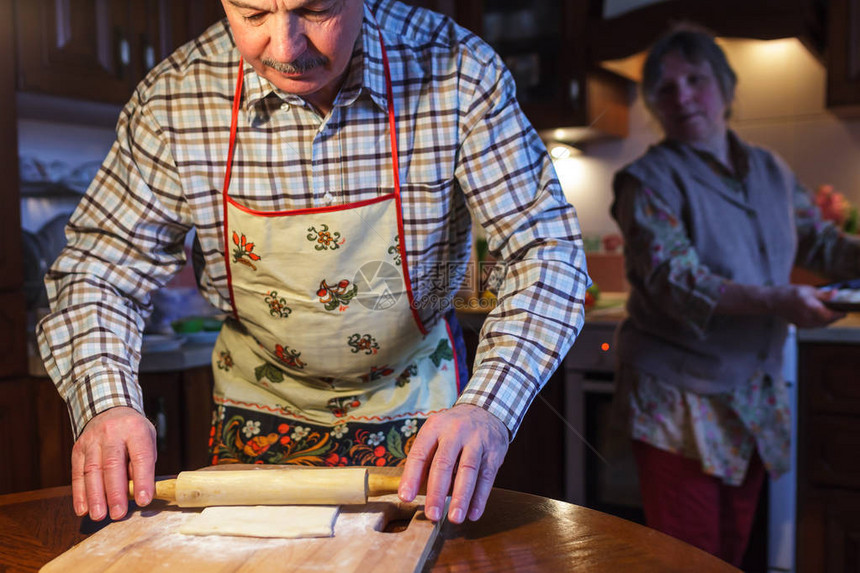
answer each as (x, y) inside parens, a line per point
(392, 129)
(344, 420)
(237, 99)
(310, 210)
(454, 352)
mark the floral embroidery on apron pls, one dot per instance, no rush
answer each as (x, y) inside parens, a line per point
(324, 238)
(299, 377)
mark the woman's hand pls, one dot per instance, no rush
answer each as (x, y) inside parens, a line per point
(803, 305)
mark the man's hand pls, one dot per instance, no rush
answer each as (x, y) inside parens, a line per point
(465, 444)
(117, 444)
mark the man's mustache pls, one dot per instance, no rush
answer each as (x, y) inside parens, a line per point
(300, 66)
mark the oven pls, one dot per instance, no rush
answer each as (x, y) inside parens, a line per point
(601, 472)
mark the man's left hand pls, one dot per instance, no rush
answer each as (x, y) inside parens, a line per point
(464, 444)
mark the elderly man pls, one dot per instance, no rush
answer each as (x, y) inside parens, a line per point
(330, 155)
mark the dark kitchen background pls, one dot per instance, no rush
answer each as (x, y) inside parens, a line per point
(67, 66)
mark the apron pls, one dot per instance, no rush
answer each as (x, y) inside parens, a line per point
(325, 360)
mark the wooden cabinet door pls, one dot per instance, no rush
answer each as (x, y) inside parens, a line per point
(18, 448)
(843, 55)
(830, 373)
(11, 269)
(828, 532)
(183, 21)
(13, 345)
(179, 404)
(54, 435)
(162, 403)
(75, 48)
(99, 50)
(147, 47)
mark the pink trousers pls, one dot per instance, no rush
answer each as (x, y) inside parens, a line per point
(682, 501)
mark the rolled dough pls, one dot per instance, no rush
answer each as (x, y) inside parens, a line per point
(281, 521)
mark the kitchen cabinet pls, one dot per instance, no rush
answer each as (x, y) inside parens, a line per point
(542, 44)
(549, 60)
(828, 489)
(99, 50)
(843, 57)
(37, 436)
(18, 448)
(75, 49)
(634, 31)
(13, 358)
(13, 319)
(179, 405)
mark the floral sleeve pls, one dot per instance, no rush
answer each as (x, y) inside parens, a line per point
(661, 261)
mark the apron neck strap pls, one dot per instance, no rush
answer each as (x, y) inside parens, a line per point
(237, 99)
(392, 129)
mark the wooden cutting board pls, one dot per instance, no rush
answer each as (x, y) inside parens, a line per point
(147, 541)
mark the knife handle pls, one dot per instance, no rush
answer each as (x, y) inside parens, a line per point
(164, 489)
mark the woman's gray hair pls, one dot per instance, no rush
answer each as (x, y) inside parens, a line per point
(695, 44)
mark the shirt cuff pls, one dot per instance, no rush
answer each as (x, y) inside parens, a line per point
(702, 302)
(502, 392)
(96, 393)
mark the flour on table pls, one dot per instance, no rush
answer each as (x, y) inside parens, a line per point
(279, 521)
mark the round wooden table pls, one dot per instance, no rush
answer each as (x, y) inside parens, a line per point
(522, 532)
(518, 532)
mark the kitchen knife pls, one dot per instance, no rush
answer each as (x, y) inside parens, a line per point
(323, 486)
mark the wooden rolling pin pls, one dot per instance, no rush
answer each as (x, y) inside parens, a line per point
(324, 486)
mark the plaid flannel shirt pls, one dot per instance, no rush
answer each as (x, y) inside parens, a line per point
(466, 151)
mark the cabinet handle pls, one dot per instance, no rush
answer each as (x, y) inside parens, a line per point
(160, 423)
(148, 57)
(147, 51)
(123, 53)
(573, 91)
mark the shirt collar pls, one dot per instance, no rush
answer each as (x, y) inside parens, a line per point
(366, 74)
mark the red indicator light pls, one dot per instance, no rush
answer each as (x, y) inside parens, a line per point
(604, 347)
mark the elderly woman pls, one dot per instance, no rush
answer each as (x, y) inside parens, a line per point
(712, 228)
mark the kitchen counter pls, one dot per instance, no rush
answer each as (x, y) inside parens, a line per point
(844, 331)
(189, 355)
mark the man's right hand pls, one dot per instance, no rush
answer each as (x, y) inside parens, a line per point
(115, 445)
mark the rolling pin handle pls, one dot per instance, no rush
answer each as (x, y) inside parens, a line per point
(382, 484)
(164, 489)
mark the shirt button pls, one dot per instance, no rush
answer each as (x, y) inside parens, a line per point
(328, 198)
(285, 106)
